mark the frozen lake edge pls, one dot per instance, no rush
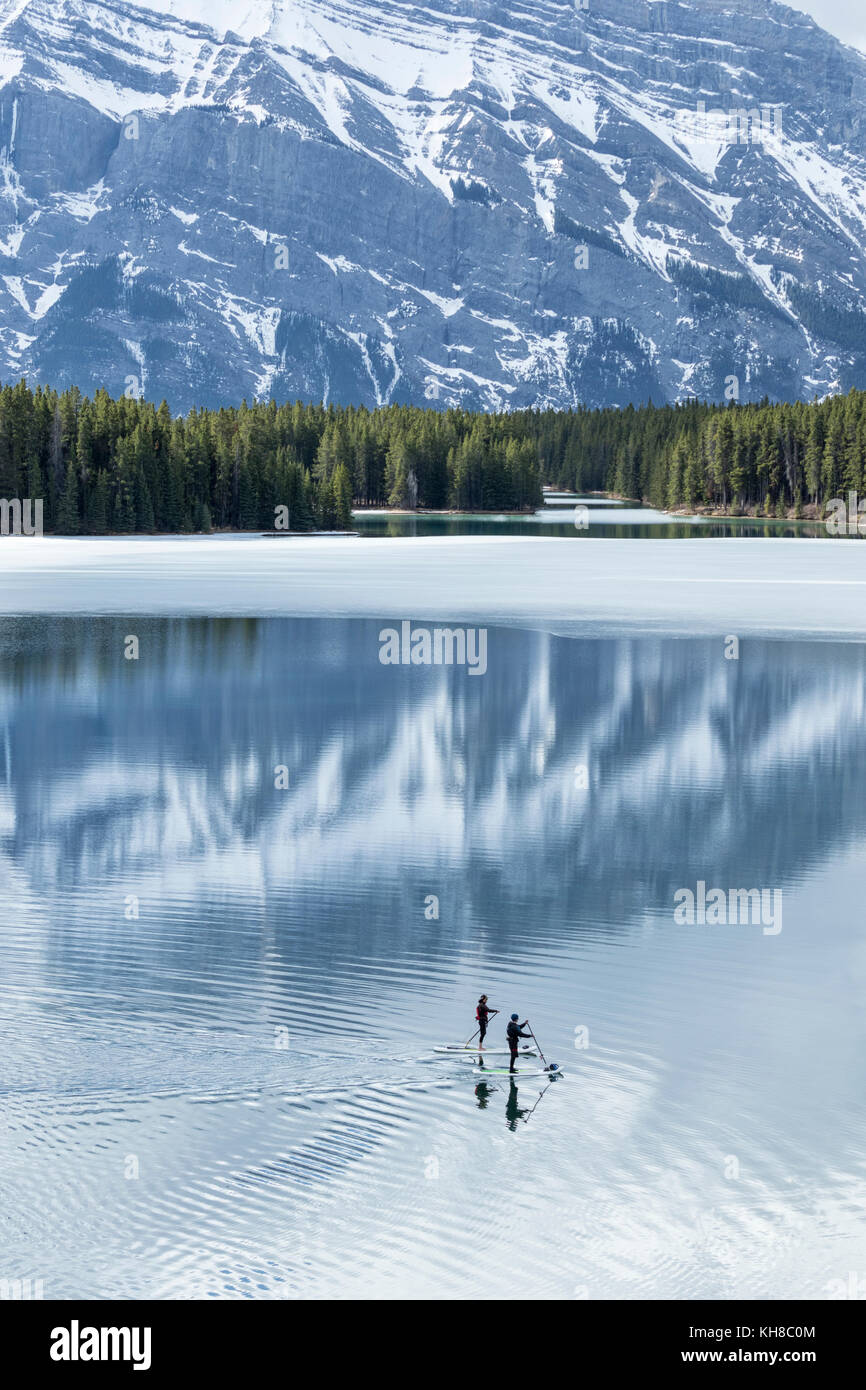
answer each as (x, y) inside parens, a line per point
(774, 587)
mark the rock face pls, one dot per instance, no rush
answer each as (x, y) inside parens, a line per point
(460, 202)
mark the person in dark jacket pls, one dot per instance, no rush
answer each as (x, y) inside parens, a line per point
(483, 1013)
(515, 1031)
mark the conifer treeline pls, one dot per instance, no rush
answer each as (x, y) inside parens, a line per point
(770, 459)
(126, 465)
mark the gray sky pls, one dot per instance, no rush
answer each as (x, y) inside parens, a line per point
(845, 18)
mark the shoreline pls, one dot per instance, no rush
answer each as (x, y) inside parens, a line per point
(444, 511)
(814, 516)
(699, 514)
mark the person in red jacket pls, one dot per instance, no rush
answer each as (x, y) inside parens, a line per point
(483, 1014)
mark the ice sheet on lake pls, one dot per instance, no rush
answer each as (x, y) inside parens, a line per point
(734, 585)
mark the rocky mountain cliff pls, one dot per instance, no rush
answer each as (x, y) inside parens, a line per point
(460, 202)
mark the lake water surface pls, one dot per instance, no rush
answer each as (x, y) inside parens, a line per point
(599, 518)
(171, 919)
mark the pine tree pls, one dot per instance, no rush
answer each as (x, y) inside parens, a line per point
(98, 514)
(342, 486)
(248, 499)
(144, 518)
(397, 473)
(327, 507)
(831, 463)
(68, 514)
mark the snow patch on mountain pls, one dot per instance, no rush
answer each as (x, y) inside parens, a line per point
(431, 170)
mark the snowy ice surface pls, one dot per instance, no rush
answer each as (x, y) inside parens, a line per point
(776, 587)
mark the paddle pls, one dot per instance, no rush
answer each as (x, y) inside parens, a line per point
(537, 1044)
(490, 1013)
(527, 1118)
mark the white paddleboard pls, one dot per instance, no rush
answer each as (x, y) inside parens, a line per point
(520, 1071)
(484, 1051)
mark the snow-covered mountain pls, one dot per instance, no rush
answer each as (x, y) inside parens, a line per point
(461, 201)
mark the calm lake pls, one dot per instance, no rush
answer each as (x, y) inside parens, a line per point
(599, 518)
(218, 995)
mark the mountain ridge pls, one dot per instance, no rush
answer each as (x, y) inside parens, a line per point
(466, 203)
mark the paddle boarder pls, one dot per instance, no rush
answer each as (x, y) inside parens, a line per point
(483, 1014)
(515, 1031)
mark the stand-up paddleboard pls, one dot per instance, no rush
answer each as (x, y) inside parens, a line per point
(484, 1051)
(518, 1071)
